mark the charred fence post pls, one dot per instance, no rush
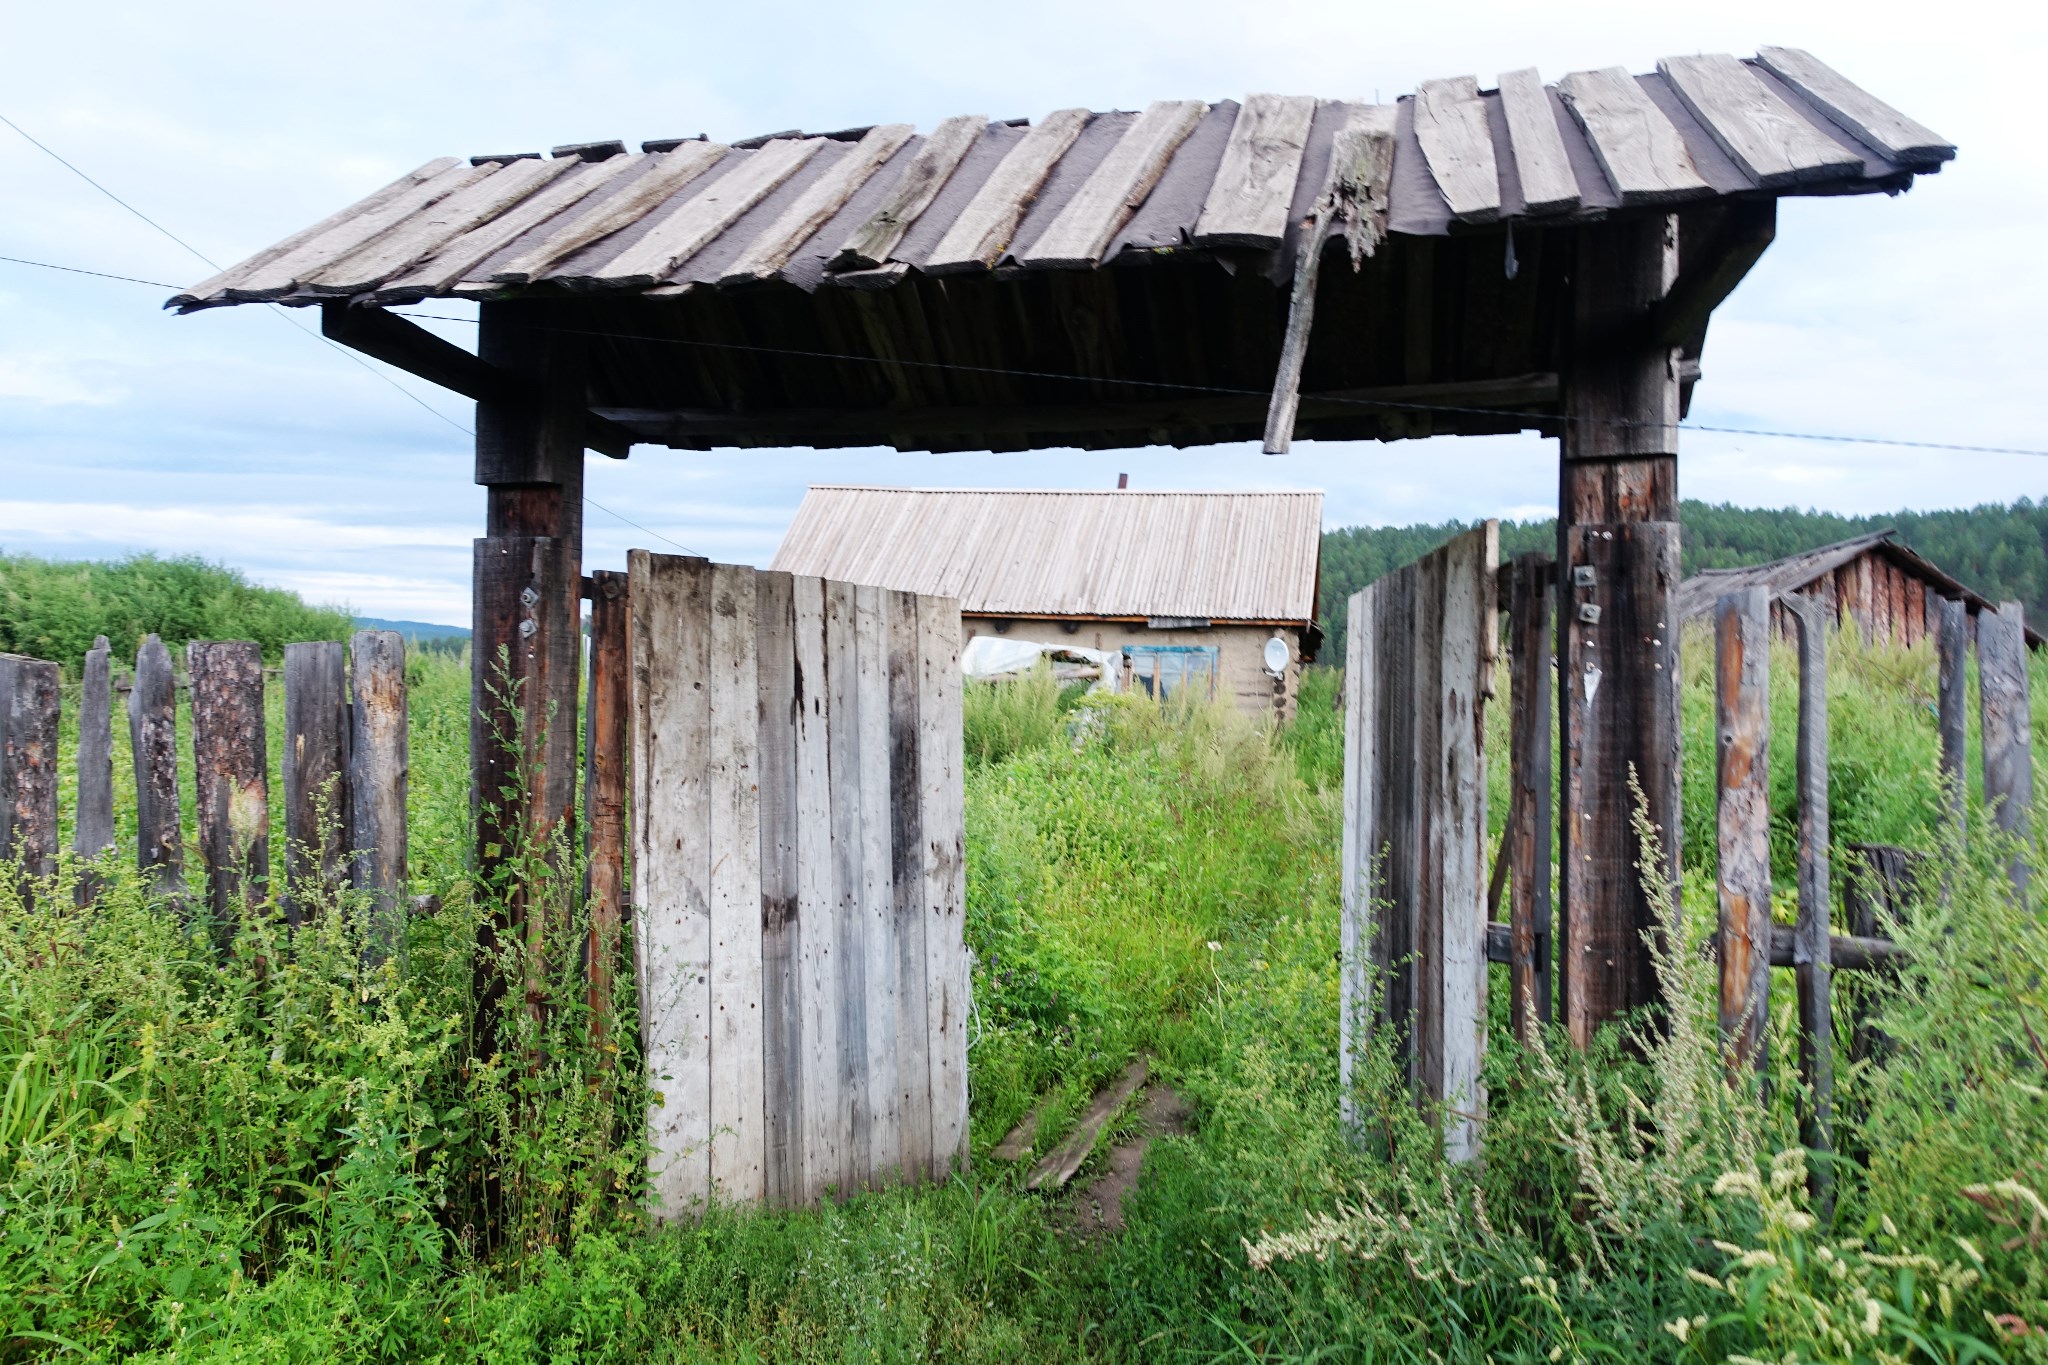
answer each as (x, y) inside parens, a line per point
(228, 763)
(316, 805)
(1742, 626)
(92, 834)
(28, 765)
(153, 734)
(378, 765)
(2005, 728)
(1812, 960)
(604, 792)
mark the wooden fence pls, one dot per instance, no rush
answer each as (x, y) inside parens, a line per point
(1414, 943)
(798, 882)
(344, 770)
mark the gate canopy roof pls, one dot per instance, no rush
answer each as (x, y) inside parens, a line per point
(834, 284)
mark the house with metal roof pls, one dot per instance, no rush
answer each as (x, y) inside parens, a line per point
(1193, 589)
(1884, 589)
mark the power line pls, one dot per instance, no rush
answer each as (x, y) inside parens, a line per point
(104, 190)
(74, 270)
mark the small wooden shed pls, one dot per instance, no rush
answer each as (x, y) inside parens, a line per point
(1885, 589)
(1188, 586)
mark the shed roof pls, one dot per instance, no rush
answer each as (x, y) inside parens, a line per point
(1028, 552)
(1795, 573)
(863, 207)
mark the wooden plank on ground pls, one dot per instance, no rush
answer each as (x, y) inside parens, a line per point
(824, 197)
(1771, 141)
(153, 737)
(868, 246)
(470, 207)
(1117, 186)
(1812, 959)
(316, 808)
(941, 776)
(1253, 190)
(1952, 648)
(1450, 123)
(912, 1040)
(781, 993)
(607, 739)
(92, 833)
(1742, 674)
(647, 191)
(379, 771)
(738, 1105)
(671, 661)
(1642, 152)
(1849, 105)
(231, 790)
(1529, 810)
(1541, 162)
(822, 1119)
(2005, 727)
(849, 846)
(1059, 1165)
(691, 225)
(28, 763)
(877, 899)
(985, 228)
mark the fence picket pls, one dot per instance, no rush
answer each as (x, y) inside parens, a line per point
(1742, 624)
(942, 775)
(232, 788)
(823, 1110)
(153, 735)
(378, 769)
(781, 992)
(2006, 727)
(878, 913)
(911, 1043)
(28, 763)
(316, 806)
(92, 833)
(738, 1111)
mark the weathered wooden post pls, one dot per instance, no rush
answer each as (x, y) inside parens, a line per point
(607, 735)
(153, 735)
(1812, 964)
(777, 704)
(1742, 724)
(28, 764)
(378, 766)
(2006, 727)
(1952, 646)
(92, 832)
(316, 806)
(228, 773)
(1617, 628)
(1530, 595)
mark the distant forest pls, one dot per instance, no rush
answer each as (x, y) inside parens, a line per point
(2000, 550)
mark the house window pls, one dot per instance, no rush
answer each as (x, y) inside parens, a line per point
(1175, 671)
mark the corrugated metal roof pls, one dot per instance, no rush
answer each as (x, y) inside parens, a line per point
(1079, 189)
(1025, 552)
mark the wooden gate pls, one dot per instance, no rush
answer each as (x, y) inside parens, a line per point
(1418, 671)
(797, 882)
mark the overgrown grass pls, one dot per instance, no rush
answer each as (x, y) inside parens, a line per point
(281, 1155)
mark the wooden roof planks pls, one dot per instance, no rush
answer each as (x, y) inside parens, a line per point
(1642, 152)
(279, 276)
(1548, 185)
(927, 174)
(470, 207)
(701, 217)
(1120, 183)
(1772, 142)
(1450, 123)
(1869, 118)
(669, 172)
(773, 248)
(1248, 202)
(982, 232)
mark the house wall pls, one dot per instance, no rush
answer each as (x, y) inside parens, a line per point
(1886, 603)
(1241, 657)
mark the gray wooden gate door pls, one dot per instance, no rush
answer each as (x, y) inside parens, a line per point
(797, 882)
(1418, 671)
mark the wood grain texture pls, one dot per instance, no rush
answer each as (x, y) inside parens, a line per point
(29, 692)
(92, 832)
(640, 196)
(1450, 123)
(379, 773)
(771, 250)
(1952, 651)
(607, 742)
(1638, 147)
(822, 1122)
(1248, 200)
(1812, 955)
(1541, 162)
(1470, 570)
(671, 663)
(231, 792)
(1531, 794)
(849, 886)
(1742, 673)
(1855, 109)
(479, 202)
(153, 738)
(911, 1043)
(1360, 853)
(781, 992)
(1771, 141)
(316, 807)
(2005, 728)
(287, 272)
(691, 225)
(877, 900)
(868, 246)
(1115, 189)
(984, 230)
(942, 777)
(738, 1104)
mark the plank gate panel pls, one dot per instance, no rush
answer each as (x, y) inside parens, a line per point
(798, 884)
(1422, 645)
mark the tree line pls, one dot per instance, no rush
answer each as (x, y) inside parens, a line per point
(1999, 549)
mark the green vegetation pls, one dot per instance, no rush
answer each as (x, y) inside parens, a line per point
(279, 1156)
(2000, 551)
(52, 609)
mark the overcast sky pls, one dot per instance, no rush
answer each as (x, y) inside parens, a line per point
(233, 435)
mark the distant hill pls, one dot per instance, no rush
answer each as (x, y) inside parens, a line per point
(413, 630)
(2000, 550)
